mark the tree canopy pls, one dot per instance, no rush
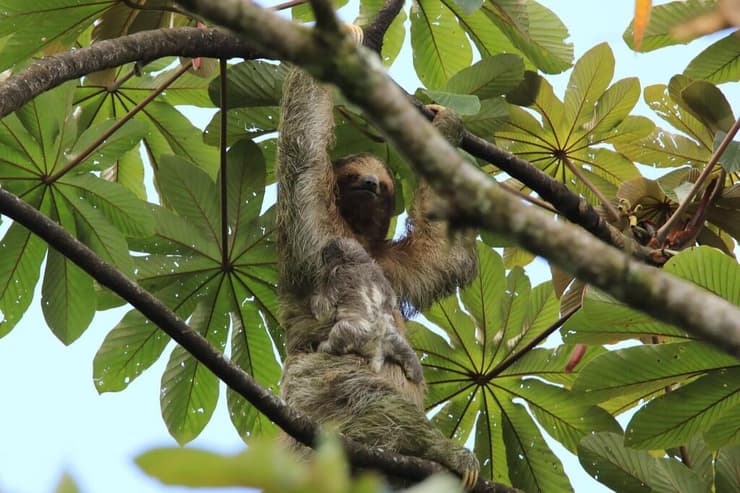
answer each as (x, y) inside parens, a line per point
(112, 197)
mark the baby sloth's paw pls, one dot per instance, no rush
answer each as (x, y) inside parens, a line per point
(413, 370)
(465, 463)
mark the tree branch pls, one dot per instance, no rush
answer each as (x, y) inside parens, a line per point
(475, 197)
(144, 46)
(375, 32)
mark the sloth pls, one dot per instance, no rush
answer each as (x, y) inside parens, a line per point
(358, 299)
(319, 201)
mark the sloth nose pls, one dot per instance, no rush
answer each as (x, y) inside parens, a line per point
(370, 182)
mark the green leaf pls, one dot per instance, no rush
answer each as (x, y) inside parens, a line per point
(251, 349)
(21, 253)
(602, 319)
(66, 295)
(491, 76)
(562, 414)
(121, 207)
(191, 193)
(667, 102)
(44, 24)
(136, 343)
(604, 457)
(532, 465)
(663, 19)
(648, 368)
(588, 81)
(130, 348)
(534, 30)
(674, 418)
(719, 63)
(710, 269)
(250, 122)
(172, 133)
(440, 46)
(614, 106)
(725, 431)
(708, 104)
(730, 159)
(728, 480)
(105, 153)
(94, 230)
(195, 468)
(46, 118)
(189, 389)
(250, 83)
(491, 117)
(672, 476)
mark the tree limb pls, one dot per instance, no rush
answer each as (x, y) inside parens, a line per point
(145, 46)
(474, 196)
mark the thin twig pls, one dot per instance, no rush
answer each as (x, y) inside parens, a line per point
(602, 198)
(698, 184)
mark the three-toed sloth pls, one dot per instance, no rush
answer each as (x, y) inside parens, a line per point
(318, 202)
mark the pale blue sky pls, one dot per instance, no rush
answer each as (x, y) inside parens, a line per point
(51, 418)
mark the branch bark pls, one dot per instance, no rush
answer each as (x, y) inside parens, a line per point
(475, 198)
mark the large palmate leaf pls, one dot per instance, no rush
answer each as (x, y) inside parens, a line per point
(568, 142)
(47, 159)
(217, 285)
(477, 369)
(170, 132)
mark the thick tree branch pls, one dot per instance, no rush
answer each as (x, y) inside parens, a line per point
(295, 424)
(144, 46)
(375, 32)
(475, 197)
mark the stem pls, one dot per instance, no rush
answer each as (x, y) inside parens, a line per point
(225, 258)
(602, 198)
(698, 184)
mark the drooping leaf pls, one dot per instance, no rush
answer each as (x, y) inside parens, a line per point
(534, 30)
(440, 46)
(21, 253)
(189, 389)
(66, 295)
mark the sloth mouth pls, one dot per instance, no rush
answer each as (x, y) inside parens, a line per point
(365, 190)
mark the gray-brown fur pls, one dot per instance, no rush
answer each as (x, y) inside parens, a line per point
(377, 408)
(355, 295)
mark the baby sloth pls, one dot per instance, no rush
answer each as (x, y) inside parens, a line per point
(356, 296)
